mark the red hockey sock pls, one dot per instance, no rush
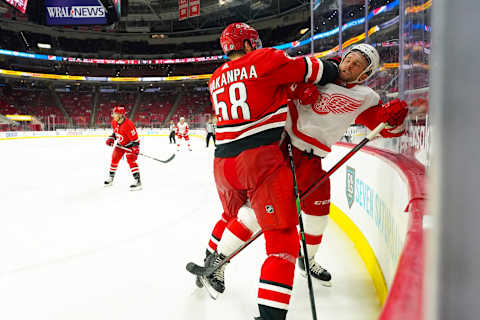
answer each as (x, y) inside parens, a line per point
(276, 278)
(217, 234)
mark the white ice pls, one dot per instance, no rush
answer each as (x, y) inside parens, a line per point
(72, 249)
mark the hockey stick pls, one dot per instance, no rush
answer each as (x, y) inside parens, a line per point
(362, 143)
(142, 154)
(302, 233)
(202, 271)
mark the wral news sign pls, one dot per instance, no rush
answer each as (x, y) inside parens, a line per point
(66, 12)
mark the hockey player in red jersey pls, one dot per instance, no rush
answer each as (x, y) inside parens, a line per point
(125, 133)
(182, 132)
(313, 125)
(249, 93)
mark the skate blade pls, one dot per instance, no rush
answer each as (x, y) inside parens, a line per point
(211, 291)
(322, 282)
(108, 185)
(136, 189)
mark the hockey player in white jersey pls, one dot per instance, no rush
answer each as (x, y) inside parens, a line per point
(182, 132)
(313, 127)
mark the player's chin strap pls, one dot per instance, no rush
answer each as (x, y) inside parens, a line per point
(357, 81)
(142, 154)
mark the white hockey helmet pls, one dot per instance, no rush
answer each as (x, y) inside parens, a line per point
(182, 118)
(370, 54)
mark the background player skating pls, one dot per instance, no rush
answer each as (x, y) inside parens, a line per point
(182, 132)
(125, 133)
(249, 93)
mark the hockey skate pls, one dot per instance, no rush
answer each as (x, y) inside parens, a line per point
(108, 182)
(198, 282)
(138, 184)
(316, 271)
(214, 283)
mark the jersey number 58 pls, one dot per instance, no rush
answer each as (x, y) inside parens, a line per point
(237, 93)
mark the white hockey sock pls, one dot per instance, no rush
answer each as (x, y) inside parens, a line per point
(314, 229)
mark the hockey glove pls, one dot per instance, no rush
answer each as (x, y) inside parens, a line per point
(135, 150)
(111, 140)
(335, 60)
(393, 113)
(134, 147)
(305, 93)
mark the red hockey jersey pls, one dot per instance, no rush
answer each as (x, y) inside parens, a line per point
(125, 132)
(249, 96)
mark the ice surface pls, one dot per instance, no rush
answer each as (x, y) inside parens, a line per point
(72, 249)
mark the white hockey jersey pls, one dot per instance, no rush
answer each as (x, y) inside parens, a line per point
(182, 129)
(317, 127)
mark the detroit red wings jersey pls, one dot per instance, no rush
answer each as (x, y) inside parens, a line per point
(249, 94)
(125, 132)
(317, 127)
(182, 129)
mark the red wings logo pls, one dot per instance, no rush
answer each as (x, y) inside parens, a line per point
(335, 103)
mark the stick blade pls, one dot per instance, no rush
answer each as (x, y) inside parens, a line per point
(169, 159)
(195, 269)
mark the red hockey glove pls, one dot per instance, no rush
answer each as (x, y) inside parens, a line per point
(133, 146)
(392, 133)
(135, 150)
(306, 93)
(110, 140)
(393, 113)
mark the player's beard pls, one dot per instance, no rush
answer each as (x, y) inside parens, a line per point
(346, 75)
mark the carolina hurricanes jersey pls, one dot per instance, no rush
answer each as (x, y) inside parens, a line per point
(125, 132)
(249, 96)
(182, 129)
(317, 127)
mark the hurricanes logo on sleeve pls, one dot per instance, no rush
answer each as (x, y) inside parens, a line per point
(119, 137)
(335, 103)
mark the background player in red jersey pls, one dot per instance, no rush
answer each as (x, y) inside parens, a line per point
(249, 93)
(125, 133)
(182, 133)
